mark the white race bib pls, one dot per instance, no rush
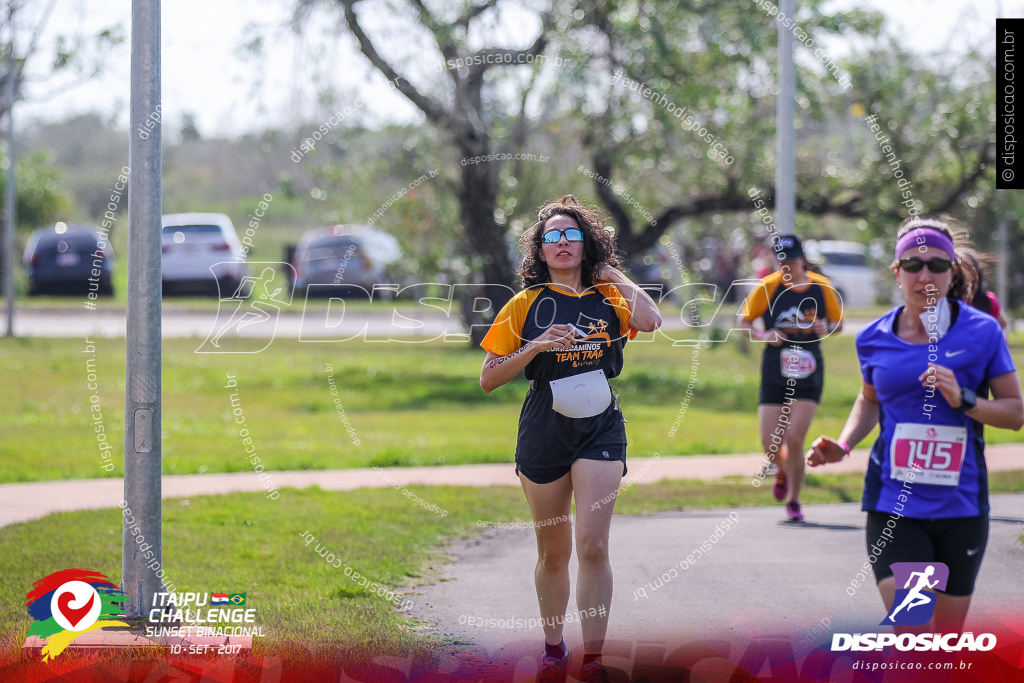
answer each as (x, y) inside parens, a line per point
(583, 395)
(930, 454)
(797, 363)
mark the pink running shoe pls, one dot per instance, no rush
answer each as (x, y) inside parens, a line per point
(793, 511)
(780, 489)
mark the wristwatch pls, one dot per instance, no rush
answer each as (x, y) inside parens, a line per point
(968, 399)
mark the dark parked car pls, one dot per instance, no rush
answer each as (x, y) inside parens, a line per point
(69, 259)
(344, 259)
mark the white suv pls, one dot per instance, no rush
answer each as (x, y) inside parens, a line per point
(201, 251)
(846, 265)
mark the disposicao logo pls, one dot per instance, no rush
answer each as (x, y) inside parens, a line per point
(71, 602)
(914, 605)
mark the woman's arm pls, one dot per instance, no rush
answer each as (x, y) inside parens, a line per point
(498, 370)
(774, 336)
(1004, 410)
(862, 419)
(825, 328)
(643, 311)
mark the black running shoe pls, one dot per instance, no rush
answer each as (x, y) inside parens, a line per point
(553, 669)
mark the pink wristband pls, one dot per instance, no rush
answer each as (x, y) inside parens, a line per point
(846, 448)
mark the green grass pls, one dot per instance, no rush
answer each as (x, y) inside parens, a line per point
(406, 404)
(243, 543)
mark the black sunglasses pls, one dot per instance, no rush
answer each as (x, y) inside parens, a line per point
(935, 265)
(554, 236)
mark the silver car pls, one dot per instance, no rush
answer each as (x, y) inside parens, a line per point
(201, 251)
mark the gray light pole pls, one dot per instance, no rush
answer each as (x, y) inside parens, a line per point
(10, 202)
(785, 135)
(142, 451)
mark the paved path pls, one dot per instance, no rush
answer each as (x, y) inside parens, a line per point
(22, 502)
(759, 577)
(762, 577)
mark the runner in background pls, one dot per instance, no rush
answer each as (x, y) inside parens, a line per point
(797, 307)
(928, 366)
(975, 292)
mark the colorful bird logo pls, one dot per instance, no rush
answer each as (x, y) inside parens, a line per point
(71, 602)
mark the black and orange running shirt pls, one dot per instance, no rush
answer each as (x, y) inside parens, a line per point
(793, 309)
(600, 312)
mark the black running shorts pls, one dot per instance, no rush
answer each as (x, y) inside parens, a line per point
(549, 442)
(959, 542)
(779, 390)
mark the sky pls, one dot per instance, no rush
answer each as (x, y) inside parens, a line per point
(207, 74)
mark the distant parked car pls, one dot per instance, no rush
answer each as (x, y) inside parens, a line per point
(68, 259)
(201, 252)
(342, 258)
(847, 265)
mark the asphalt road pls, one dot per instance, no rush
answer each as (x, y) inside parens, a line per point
(763, 577)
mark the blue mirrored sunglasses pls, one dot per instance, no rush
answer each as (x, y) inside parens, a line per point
(554, 236)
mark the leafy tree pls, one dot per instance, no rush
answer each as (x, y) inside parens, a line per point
(73, 58)
(41, 196)
(462, 106)
(716, 63)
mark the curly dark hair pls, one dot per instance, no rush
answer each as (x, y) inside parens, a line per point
(598, 243)
(948, 226)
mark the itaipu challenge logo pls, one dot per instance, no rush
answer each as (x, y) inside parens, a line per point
(71, 602)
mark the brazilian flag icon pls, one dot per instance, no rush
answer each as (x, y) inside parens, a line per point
(237, 598)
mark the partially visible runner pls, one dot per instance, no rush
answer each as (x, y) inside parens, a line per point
(975, 292)
(928, 366)
(566, 331)
(797, 307)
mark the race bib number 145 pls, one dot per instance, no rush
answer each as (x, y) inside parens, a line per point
(930, 454)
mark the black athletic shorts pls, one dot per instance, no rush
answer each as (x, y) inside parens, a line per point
(550, 442)
(777, 389)
(959, 542)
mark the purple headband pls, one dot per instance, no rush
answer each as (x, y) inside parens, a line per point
(925, 236)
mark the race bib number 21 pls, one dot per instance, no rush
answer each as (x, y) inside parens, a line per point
(930, 454)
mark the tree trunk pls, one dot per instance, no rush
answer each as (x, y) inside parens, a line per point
(486, 240)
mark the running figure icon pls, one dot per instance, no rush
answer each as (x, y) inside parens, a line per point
(256, 301)
(916, 596)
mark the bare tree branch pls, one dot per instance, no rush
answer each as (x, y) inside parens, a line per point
(519, 128)
(473, 12)
(967, 182)
(492, 56)
(602, 159)
(442, 37)
(34, 42)
(433, 109)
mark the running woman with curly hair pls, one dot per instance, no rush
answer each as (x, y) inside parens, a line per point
(566, 331)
